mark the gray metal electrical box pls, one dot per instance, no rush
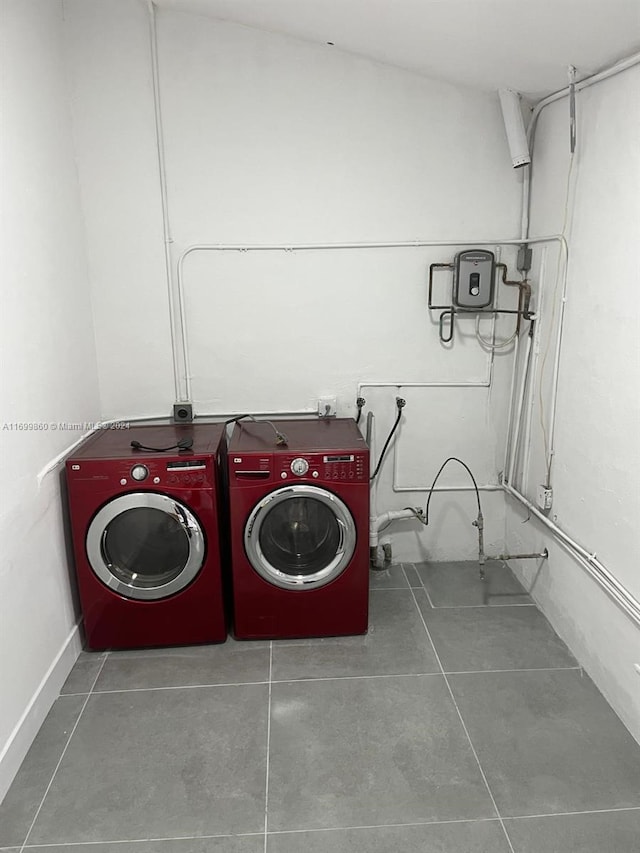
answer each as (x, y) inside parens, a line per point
(473, 278)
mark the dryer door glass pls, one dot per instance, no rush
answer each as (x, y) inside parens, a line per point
(145, 546)
(301, 537)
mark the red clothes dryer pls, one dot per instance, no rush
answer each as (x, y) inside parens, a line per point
(145, 528)
(299, 521)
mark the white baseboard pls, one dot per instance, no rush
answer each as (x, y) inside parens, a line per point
(14, 751)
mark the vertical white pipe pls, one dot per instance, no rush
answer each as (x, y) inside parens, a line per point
(528, 413)
(554, 384)
(162, 175)
(373, 487)
(518, 420)
(507, 444)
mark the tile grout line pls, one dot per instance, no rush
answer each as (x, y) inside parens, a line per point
(322, 678)
(66, 746)
(97, 844)
(569, 814)
(174, 687)
(422, 585)
(496, 819)
(479, 606)
(466, 731)
(266, 785)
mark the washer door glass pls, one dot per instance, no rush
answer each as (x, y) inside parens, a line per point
(300, 537)
(145, 546)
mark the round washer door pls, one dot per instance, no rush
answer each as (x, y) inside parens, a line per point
(300, 537)
(145, 545)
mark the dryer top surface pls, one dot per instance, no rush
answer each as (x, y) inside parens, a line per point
(116, 443)
(302, 436)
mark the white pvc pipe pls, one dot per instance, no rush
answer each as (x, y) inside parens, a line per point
(304, 247)
(162, 175)
(521, 395)
(399, 385)
(534, 369)
(373, 486)
(379, 521)
(486, 487)
(555, 381)
(524, 202)
(611, 71)
(587, 559)
(556, 364)
(512, 391)
(142, 419)
(623, 65)
(483, 383)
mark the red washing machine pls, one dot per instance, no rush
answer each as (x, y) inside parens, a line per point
(145, 527)
(299, 517)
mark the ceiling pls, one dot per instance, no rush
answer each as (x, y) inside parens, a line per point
(487, 44)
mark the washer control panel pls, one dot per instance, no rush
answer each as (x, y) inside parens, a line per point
(345, 466)
(342, 467)
(310, 467)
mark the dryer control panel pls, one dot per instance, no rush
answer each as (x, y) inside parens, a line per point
(192, 473)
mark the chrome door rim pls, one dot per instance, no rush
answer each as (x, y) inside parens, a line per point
(275, 576)
(151, 500)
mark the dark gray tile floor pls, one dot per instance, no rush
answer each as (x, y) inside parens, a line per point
(460, 722)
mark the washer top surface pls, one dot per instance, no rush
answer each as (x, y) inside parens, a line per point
(302, 436)
(116, 443)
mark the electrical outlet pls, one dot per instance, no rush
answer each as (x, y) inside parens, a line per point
(182, 413)
(327, 407)
(545, 497)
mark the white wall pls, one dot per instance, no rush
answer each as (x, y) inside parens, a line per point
(273, 140)
(596, 470)
(48, 365)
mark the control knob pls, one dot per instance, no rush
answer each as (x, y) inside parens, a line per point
(299, 466)
(139, 472)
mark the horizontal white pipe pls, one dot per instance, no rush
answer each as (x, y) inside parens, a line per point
(142, 419)
(486, 487)
(221, 416)
(300, 247)
(482, 383)
(401, 244)
(587, 560)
